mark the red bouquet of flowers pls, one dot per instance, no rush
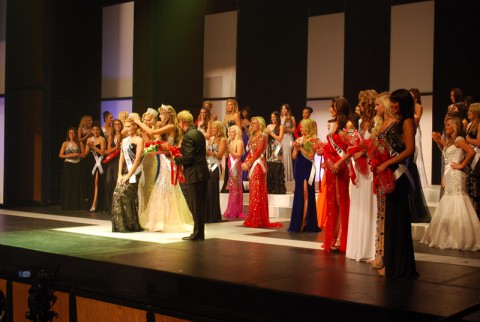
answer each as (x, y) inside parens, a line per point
(378, 152)
(162, 147)
(355, 144)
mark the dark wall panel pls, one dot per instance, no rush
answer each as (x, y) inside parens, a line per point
(367, 47)
(53, 69)
(456, 60)
(168, 65)
(272, 55)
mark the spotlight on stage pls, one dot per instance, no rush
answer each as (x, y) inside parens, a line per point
(41, 298)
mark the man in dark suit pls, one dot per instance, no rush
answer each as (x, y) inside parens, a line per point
(194, 162)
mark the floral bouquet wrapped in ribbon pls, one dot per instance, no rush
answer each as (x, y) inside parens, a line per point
(355, 144)
(162, 147)
(311, 144)
(378, 152)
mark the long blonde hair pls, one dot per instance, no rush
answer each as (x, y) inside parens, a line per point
(384, 97)
(220, 129)
(310, 127)
(238, 133)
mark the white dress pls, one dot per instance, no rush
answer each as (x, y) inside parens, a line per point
(362, 218)
(455, 224)
(287, 150)
(418, 159)
(167, 209)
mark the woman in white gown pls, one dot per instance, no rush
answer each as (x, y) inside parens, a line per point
(418, 156)
(455, 224)
(167, 209)
(363, 203)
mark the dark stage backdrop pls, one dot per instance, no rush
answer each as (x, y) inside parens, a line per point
(53, 70)
(272, 55)
(456, 60)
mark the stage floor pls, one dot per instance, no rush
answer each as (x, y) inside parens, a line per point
(236, 274)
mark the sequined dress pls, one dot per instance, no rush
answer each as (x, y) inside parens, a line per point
(167, 209)
(455, 224)
(287, 150)
(125, 197)
(337, 195)
(258, 197)
(212, 212)
(72, 188)
(150, 165)
(235, 194)
(225, 168)
(276, 170)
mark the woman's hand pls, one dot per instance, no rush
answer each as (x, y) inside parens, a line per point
(357, 155)
(381, 167)
(456, 166)
(436, 137)
(296, 145)
(336, 166)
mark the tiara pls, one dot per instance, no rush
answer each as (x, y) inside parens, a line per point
(164, 107)
(152, 111)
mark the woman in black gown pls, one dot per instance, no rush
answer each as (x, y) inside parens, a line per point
(94, 153)
(72, 188)
(399, 259)
(125, 197)
(112, 157)
(216, 148)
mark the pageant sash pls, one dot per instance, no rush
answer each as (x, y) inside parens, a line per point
(476, 157)
(233, 162)
(128, 160)
(311, 178)
(341, 154)
(258, 162)
(98, 162)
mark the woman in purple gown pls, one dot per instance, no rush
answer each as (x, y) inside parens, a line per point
(304, 208)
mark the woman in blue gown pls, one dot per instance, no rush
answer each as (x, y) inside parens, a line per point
(304, 208)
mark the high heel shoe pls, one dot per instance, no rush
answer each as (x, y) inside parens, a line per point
(92, 209)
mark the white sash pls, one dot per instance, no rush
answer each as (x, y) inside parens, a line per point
(98, 161)
(335, 146)
(128, 161)
(311, 179)
(476, 157)
(258, 161)
(233, 162)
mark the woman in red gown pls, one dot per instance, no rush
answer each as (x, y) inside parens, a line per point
(337, 178)
(256, 166)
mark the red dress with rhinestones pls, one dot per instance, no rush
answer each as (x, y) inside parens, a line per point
(258, 198)
(338, 198)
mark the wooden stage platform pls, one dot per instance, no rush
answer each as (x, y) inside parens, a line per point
(236, 274)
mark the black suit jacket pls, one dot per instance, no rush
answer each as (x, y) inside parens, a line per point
(194, 158)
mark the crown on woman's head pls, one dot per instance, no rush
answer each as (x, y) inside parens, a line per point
(152, 111)
(164, 107)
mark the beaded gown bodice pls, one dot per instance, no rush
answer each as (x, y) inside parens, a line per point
(211, 160)
(455, 180)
